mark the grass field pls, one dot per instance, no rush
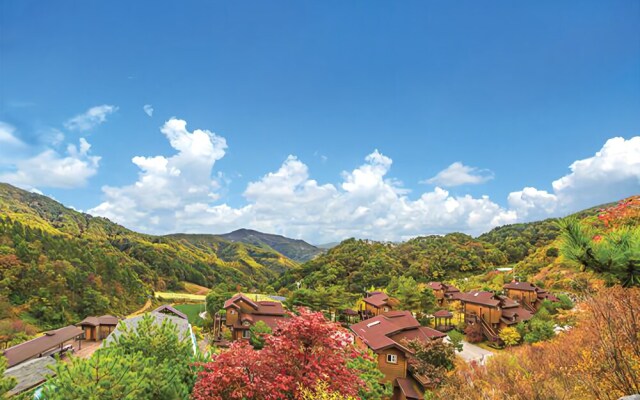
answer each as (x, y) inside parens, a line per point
(180, 296)
(192, 311)
(192, 288)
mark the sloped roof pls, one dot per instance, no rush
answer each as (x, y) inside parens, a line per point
(422, 333)
(168, 309)
(269, 308)
(34, 347)
(409, 388)
(526, 286)
(378, 299)
(30, 374)
(102, 320)
(443, 286)
(132, 323)
(511, 316)
(231, 302)
(484, 298)
(383, 331)
(443, 314)
(435, 285)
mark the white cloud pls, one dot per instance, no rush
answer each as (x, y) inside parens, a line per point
(181, 193)
(91, 118)
(167, 184)
(611, 174)
(50, 169)
(458, 174)
(8, 137)
(148, 109)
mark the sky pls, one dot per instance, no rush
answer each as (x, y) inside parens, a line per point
(321, 120)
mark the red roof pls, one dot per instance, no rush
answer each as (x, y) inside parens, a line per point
(388, 330)
(231, 302)
(409, 388)
(422, 333)
(378, 299)
(484, 298)
(526, 286)
(511, 316)
(443, 314)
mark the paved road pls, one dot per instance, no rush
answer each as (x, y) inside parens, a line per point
(471, 352)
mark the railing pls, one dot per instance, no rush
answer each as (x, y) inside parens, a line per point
(489, 331)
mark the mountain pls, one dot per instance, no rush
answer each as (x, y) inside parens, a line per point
(58, 265)
(296, 249)
(327, 246)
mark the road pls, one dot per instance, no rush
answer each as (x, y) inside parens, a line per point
(471, 352)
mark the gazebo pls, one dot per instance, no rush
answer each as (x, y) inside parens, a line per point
(443, 316)
(350, 315)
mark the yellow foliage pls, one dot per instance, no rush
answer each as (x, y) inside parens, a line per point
(321, 392)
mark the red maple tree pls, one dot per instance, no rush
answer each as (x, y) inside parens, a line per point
(303, 351)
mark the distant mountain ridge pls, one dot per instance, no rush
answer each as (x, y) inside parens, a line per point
(296, 249)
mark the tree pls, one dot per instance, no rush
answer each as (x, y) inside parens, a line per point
(303, 350)
(6, 382)
(366, 367)
(473, 333)
(406, 290)
(510, 336)
(258, 332)
(431, 359)
(215, 299)
(456, 339)
(614, 253)
(150, 361)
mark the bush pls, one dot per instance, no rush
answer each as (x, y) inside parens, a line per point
(473, 333)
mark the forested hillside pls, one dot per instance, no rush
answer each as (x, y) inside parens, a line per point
(295, 249)
(58, 265)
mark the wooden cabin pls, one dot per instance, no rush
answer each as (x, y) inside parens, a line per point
(492, 312)
(386, 335)
(98, 328)
(528, 294)
(242, 313)
(377, 303)
(444, 293)
(48, 344)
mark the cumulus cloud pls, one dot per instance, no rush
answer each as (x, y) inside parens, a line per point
(181, 193)
(148, 109)
(51, 169)
(91, 118)
(167, 184)
(458, 174)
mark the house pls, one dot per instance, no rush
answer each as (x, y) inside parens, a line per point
(242, 313)
(50, 343)
(444, 293)
(98, 328)
(376, 303)
(492, 312)
(386, 335)
(528, 294)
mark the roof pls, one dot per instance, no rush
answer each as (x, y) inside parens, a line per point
(443, 286)
(348, 311)
(443, 314)
(30, 373)
(435, 285)
(131, 323)
(34, 347)
(484, 298)
(511, 316)
(422, 333)
(168, 309)
(271, 320)
(409, 388)
(269, 308)
(102, 320)
(231, 302)
(384, 331)
(526, 286)
(378, 299)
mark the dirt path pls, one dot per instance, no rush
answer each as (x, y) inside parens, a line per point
(140, 311)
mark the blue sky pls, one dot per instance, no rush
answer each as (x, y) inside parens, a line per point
(514, 93)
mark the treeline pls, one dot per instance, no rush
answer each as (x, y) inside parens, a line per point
(357, 265)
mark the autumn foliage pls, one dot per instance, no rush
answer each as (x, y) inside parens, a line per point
(598, 359)
(303, 351)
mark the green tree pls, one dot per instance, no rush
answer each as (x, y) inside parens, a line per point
(432, 358)
(258, 332)
(368, 371)
(456, 339)
(6, 383)
(614, 253)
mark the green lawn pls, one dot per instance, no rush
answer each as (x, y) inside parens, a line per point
(192, 311)
(180, 296)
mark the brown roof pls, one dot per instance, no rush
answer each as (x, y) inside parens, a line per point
(269, 308)
(511, 316)
(435, 285)
(168, 309)
(96, 321)
(410, 388)
(529, 287)
(378, 299)
(443, 314)
(272, 321)
(384, 331)
(348, 311)
(484, 298)
(443, 286)
(422, 333)
(35, 347)
(231, 302)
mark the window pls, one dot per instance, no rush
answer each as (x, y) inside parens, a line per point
(386, 309)
(392, 358)
(232, 312)
(246, 334)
